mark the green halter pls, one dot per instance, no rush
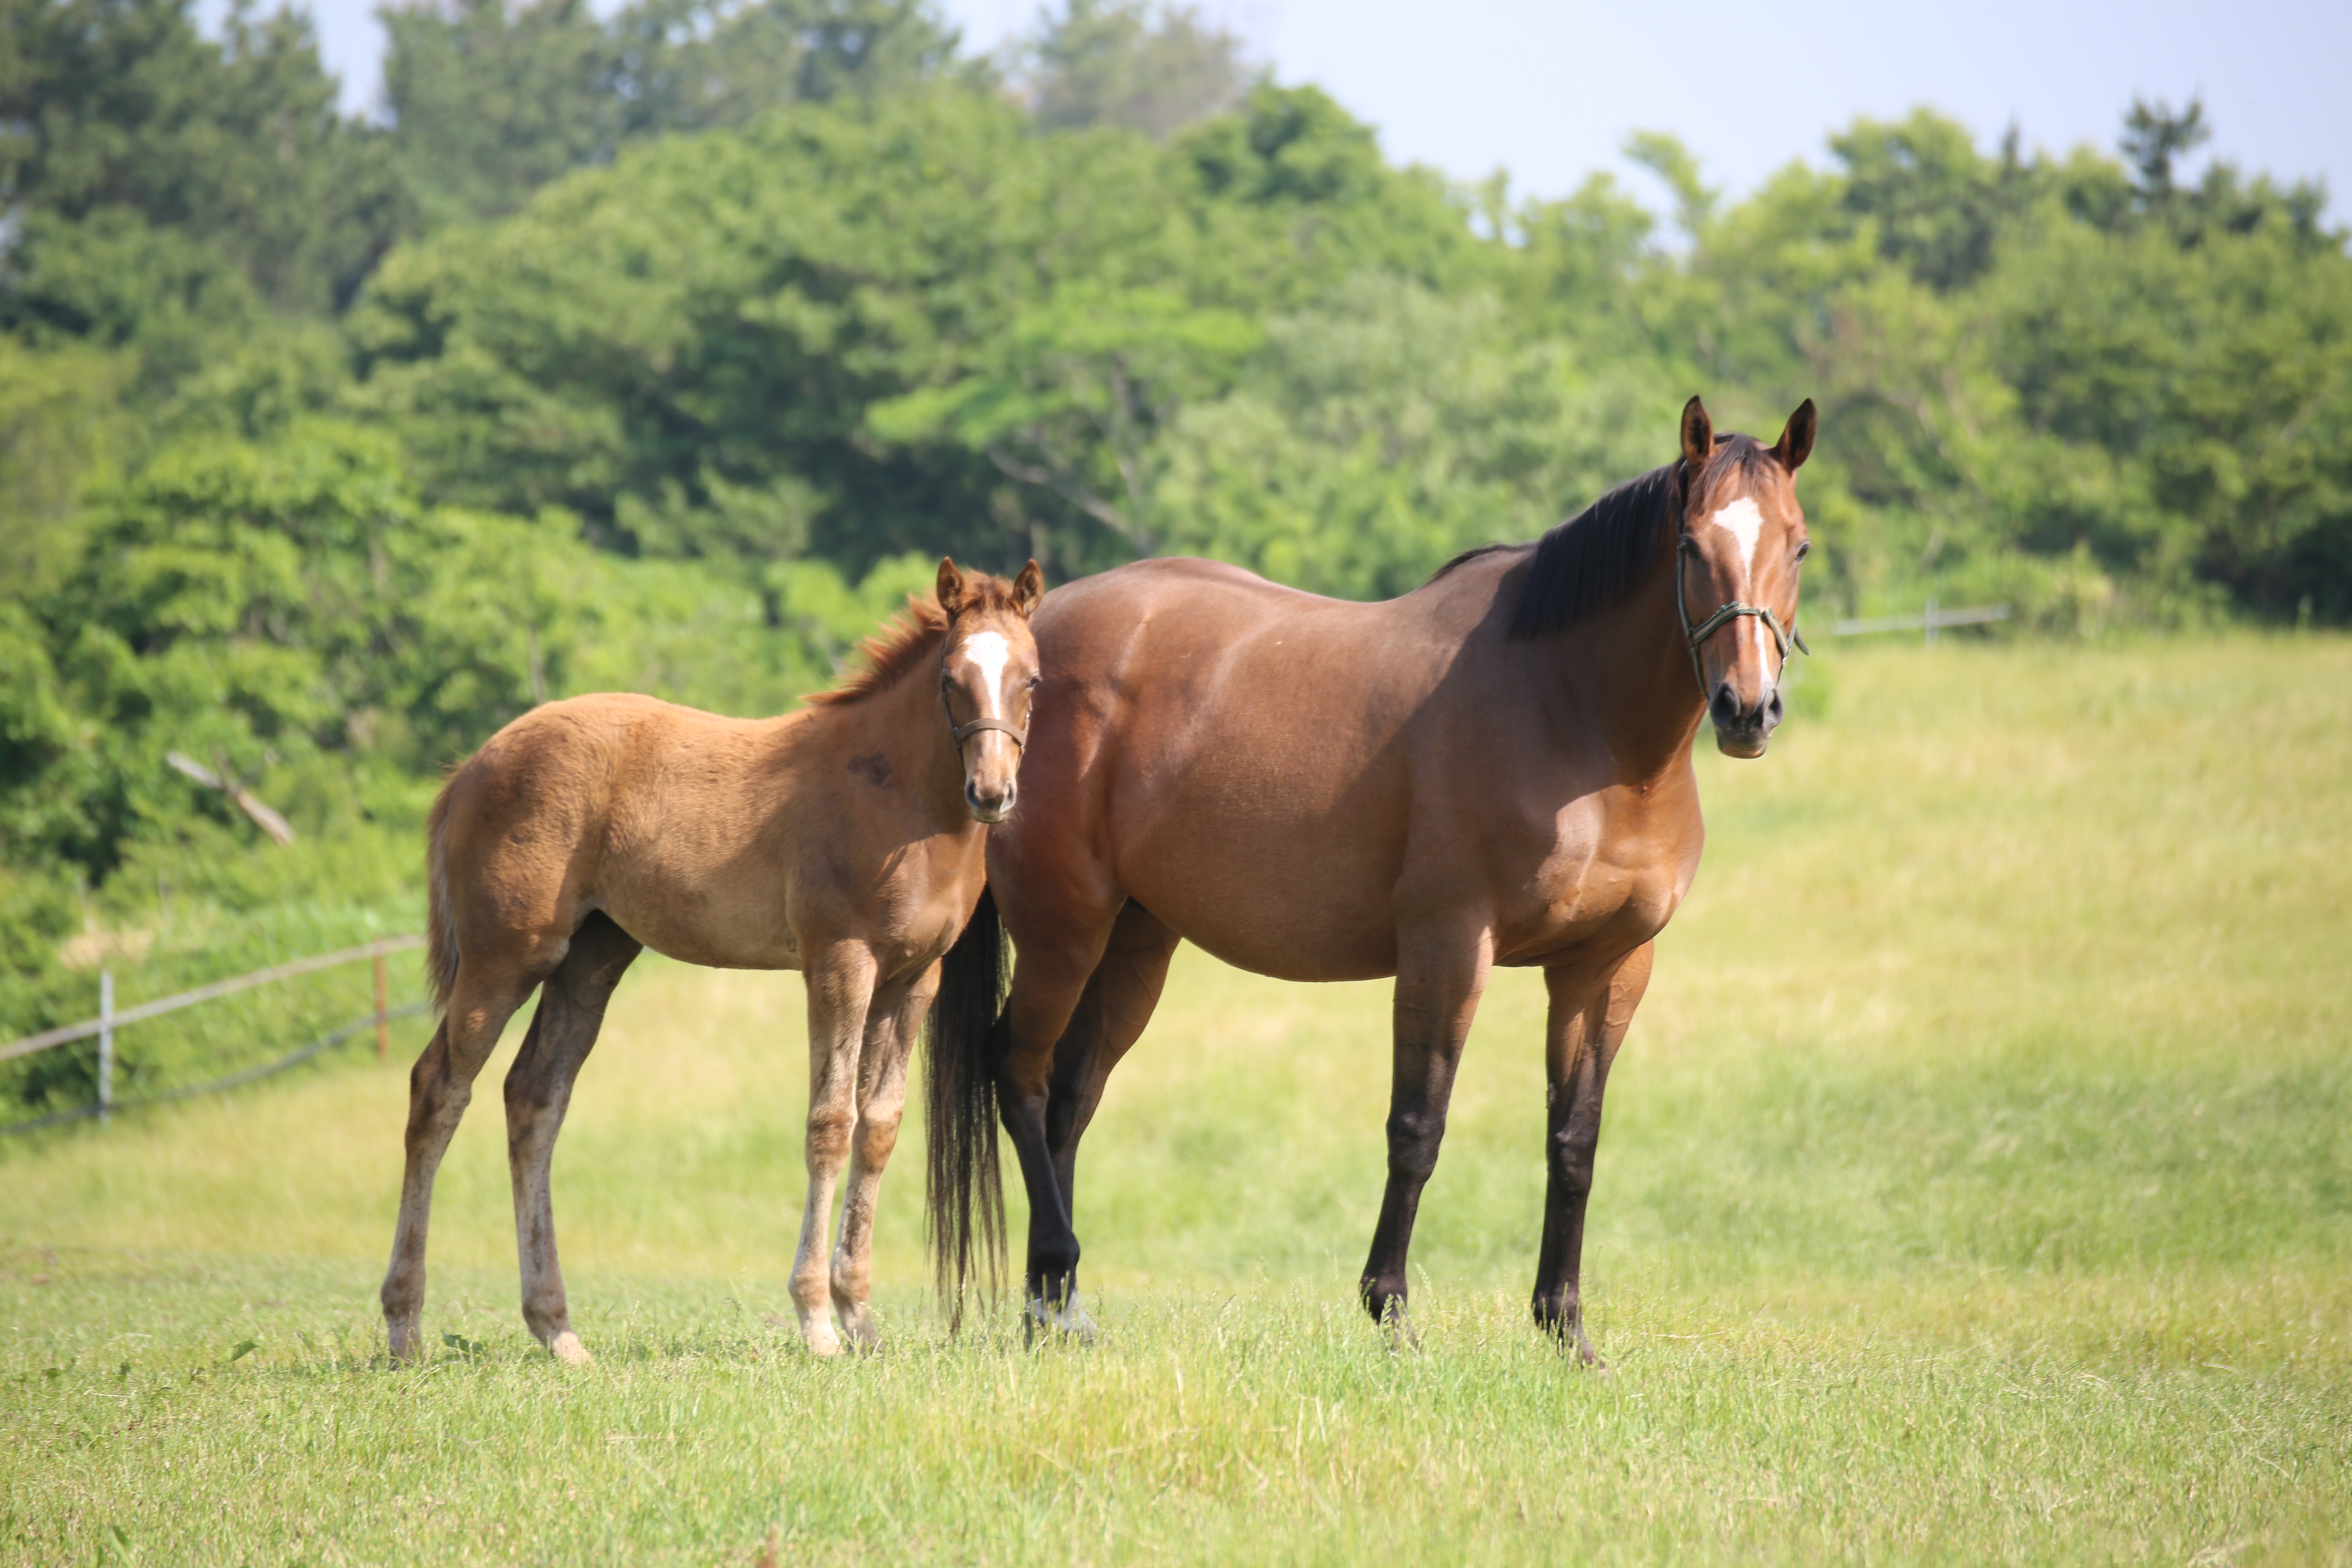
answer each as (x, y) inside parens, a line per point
(1694, 635)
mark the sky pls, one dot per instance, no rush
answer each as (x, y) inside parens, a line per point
(1549, 91)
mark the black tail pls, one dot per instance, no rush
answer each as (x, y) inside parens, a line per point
(965, 1196)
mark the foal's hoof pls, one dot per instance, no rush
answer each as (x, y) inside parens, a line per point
(406, 1341)
(566, 1348)
(861, 1335)
(1066, 1324)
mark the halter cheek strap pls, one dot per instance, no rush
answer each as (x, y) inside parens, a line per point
(1784, 637)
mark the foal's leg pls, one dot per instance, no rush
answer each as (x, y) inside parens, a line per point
(1589, 1019)
(538, 1092)
(1440, 977)
(892, 1027)
(440, 1085)
(840, 989)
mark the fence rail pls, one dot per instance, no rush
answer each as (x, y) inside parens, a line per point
(1930, 621)
(109, 1022)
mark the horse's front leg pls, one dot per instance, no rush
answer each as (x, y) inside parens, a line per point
(1440, 974)
(840, 989)
(893, 1025)
(1589, 1015)
(1049, 979)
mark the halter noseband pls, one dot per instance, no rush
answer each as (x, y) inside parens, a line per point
(1724, 614)
(959, 733)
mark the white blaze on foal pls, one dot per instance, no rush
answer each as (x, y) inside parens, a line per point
(988, 651)
(1745, 522)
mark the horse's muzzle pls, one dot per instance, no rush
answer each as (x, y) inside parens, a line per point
(1743, 732)
(989, 808)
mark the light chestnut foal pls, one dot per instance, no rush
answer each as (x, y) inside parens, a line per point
(846, 840)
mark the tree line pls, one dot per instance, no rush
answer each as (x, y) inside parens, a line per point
(658, 350)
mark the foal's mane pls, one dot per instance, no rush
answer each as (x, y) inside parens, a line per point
(1582, 566)
(903, 641)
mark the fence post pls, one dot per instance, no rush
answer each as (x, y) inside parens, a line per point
(106, 1045)
(382, 1024)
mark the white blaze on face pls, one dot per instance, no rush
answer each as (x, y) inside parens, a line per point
(987, 652)
(1745, 522)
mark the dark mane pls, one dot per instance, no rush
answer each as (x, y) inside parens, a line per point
(1587, 564)
(906, 637)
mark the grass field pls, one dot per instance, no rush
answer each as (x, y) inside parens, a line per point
(1977, 1185)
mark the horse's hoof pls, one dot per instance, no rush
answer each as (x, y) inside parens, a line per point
(1066, 1324)
(566, 1348)
(861, 1333)
(407, 1341)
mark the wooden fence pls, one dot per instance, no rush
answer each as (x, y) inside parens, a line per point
(109, 1022)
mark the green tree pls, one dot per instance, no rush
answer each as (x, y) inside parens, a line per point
(1153, 68)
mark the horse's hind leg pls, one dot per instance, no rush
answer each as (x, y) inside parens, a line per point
(538, 1092)
(441, 1084)
(840, 990)
(1589, 1019)
(891, 1030)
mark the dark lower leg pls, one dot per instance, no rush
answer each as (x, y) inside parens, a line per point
(1438, 986)
(1589, 1019)
(1116, 1004)
(537, 1095)
(1416, 1128)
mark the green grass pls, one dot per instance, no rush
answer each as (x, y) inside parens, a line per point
(1977, 1186)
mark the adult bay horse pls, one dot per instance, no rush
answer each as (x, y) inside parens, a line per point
(846, 840)
(1492, 769)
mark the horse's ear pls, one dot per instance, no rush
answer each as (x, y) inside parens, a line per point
(1027, 589)
(1698, 436)
(1796, 443)
(950, 588)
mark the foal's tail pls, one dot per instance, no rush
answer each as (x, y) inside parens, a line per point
(440, 931)
(966, 1198)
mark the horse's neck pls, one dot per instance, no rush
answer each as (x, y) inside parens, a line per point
(1627, 673)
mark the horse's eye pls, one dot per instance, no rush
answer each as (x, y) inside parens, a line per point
(1804, 548)
(1036, 681)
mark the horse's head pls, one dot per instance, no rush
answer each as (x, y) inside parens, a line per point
(988, 679)
(1743, 538)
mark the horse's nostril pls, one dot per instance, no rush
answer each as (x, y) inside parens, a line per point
(1724, 708)
(1772, 707)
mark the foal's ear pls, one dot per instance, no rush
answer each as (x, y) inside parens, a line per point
(1698, 436)
(1796, 443)
(1027, 589)
(950, 588)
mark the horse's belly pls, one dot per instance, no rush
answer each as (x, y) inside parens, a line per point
(1290, 915)
(693, 930)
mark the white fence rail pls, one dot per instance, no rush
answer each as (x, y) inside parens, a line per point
(1929, 621)
(109, 1022)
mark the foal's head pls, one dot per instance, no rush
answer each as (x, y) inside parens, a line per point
(1743, 537)
(988, 679)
